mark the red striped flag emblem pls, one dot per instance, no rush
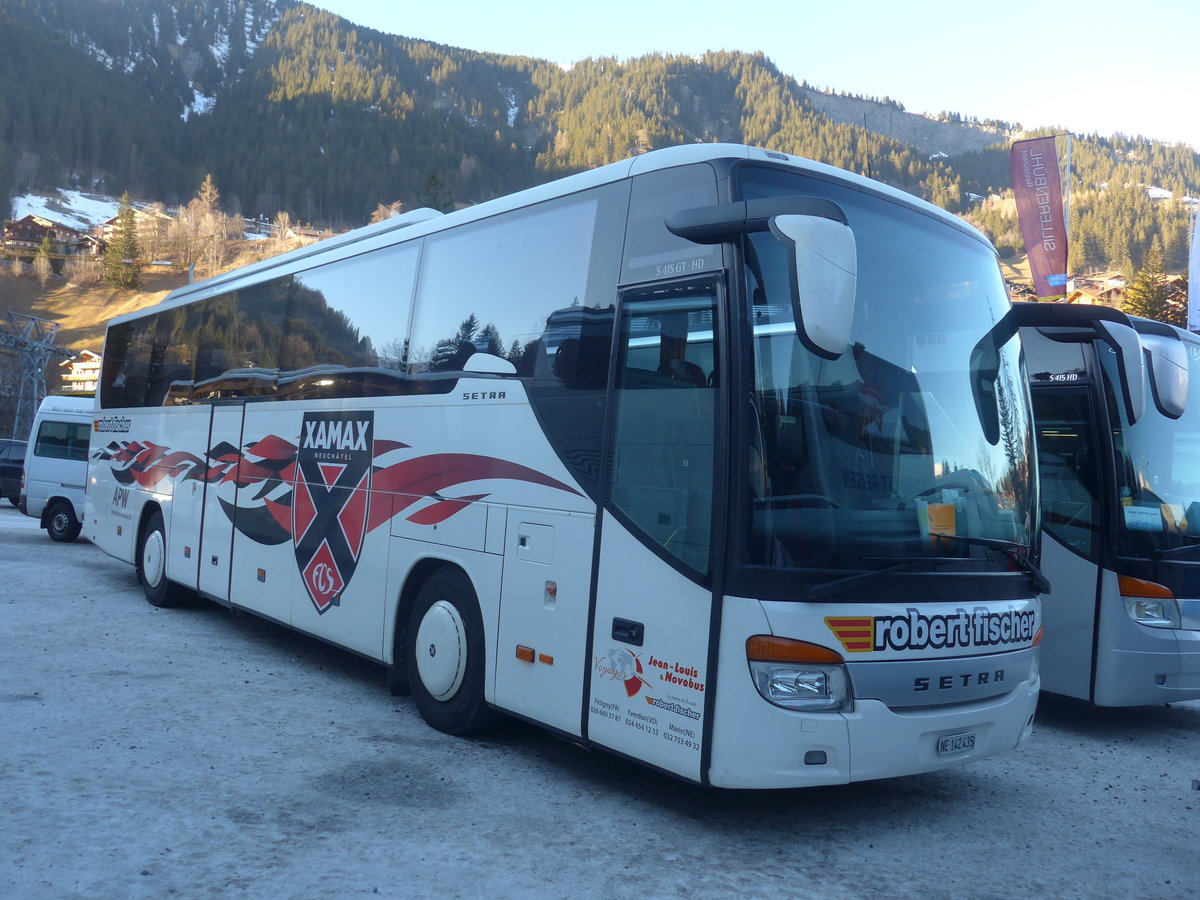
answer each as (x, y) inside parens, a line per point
(856, 633)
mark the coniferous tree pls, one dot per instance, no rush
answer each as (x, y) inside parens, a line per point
(121, 268)
(1146, 295)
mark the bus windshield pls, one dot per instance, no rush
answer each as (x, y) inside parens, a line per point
(1158, 472)
(879, 457)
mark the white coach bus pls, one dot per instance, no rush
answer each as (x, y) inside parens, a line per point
(710, 458)
(1119, 453)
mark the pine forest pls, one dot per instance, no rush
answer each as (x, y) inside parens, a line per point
(292, 109)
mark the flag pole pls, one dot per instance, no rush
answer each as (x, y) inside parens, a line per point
(1067, 195)
(1193, 311)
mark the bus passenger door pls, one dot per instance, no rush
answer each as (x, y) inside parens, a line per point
(220, 499)
(653, 608)
(1071, 547)
(542, 635)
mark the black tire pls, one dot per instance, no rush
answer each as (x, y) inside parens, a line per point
(152, 565)
(61, 524)
(445, 657)
(14, 501)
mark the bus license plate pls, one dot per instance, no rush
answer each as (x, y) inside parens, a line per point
(956, 743)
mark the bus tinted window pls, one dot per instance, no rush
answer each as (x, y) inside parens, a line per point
(126, 367)
(1067, 467)
(347, 327)
(652, 251)
(238, 337)
(566, 369)
(664, 424)
(490, 287)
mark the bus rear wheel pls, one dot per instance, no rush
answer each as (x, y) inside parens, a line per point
(445, 655)
(152, 565)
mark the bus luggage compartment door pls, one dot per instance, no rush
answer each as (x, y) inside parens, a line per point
(544, 613)
(216, 541)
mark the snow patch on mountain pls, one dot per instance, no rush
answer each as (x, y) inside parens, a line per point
(75, 209)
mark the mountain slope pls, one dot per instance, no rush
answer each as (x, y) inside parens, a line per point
(290, 107)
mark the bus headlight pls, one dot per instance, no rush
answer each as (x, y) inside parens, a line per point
(798, 675)
(1149, 603)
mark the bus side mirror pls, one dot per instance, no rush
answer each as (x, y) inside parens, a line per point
(985, 369)
(486, 363)
(1128, 346)
(1168, 367)
(823, 268)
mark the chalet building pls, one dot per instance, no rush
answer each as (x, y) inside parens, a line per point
(26, 236)
(81, 373)
(150, 223)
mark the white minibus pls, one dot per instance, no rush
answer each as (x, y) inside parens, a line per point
(56, 465)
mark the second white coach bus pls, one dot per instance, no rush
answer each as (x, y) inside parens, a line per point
(1119, 452)
(713, 458)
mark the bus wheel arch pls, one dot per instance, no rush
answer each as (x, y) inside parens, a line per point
(398, 682)
(445, 652)
(151, 560)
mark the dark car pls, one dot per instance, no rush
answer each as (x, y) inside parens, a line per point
(12, 466)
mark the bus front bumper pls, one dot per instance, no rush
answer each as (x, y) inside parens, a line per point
(769, 747)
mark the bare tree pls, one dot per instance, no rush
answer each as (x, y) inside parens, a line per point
(42, 267)
(201, 233)
(80, 271)
(386, 211)
(282, 232)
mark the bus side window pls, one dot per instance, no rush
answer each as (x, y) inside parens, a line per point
(347, 327)
(126, 366)
(651, 251)
(505, 286)
(1069, 479)
(664, 420)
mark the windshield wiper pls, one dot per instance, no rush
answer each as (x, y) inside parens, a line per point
(827, 589)
(1171, 552)
(1014, 551)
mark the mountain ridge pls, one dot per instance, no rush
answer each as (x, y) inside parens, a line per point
(290, 107)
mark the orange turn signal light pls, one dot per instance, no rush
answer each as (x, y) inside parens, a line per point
(1136, 587)
(525, 654)
(768, 648)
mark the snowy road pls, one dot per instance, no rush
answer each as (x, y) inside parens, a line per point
(195, 753)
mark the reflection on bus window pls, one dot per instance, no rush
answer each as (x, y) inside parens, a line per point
(878, 456)
(1158, 472)
(1067, 467)
(664, 424)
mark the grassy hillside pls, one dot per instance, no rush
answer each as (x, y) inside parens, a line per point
(83, 312)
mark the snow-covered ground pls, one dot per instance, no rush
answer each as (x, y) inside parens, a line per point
(75, 209)
(196, 753)
(82, 211)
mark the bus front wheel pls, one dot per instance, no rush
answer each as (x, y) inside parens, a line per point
(152, 565)
(445, 654)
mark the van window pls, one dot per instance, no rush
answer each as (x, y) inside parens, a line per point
(62, 440)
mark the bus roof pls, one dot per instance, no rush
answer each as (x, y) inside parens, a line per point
(419, 222)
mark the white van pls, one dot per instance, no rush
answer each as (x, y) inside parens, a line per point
(56, 465)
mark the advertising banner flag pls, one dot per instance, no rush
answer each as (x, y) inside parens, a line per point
(1194, 278)
(1038, 189)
